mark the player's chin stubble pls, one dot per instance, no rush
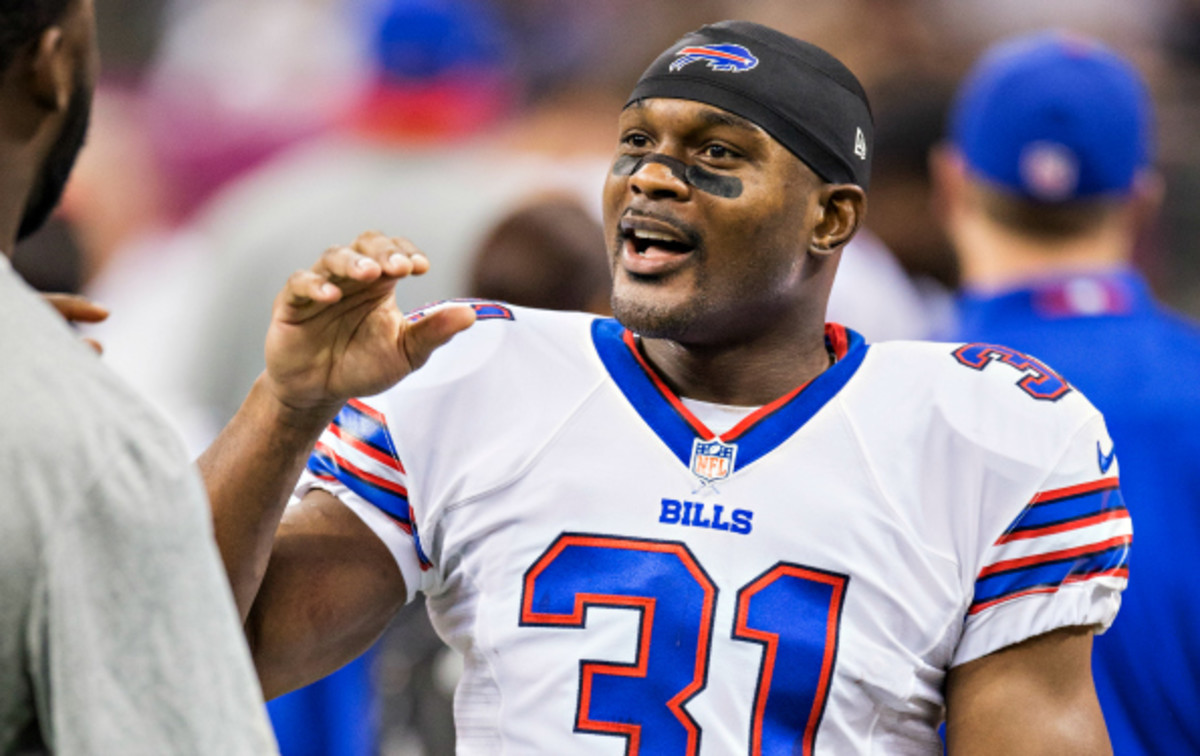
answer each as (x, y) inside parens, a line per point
(648, 315)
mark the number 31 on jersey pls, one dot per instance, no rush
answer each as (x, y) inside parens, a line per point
(793, 612)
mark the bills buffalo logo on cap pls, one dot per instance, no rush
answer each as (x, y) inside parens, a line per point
(718, 57)
(713, 460)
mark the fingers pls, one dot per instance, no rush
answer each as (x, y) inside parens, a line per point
(371, 255)
(306, 288)
(433, 330)
(366, 263)
(77, 309)
(398, 257)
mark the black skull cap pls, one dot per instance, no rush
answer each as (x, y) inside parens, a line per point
(799, 94)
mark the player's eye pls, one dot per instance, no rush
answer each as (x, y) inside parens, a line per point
(718, 151)
(636, 140)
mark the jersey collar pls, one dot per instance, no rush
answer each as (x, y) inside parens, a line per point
(1117, 292)
(756, 435)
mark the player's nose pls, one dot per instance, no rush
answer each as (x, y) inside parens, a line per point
(658, 181)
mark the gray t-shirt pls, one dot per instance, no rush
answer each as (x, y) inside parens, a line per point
(118, 633)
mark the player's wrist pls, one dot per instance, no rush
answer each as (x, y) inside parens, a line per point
(285, 410)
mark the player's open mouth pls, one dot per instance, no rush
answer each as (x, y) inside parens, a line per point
(644, 239)
(651, 246)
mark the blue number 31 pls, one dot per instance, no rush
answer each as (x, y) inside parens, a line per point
(793, 612)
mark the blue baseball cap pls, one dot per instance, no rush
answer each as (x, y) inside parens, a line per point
(1054, 117)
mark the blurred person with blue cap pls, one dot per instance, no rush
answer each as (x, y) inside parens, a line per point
(1047, 186)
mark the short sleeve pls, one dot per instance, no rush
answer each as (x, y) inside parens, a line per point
(1062, 560)
(356, 461)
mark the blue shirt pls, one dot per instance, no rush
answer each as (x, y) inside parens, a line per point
(334, 716)
(1140, 365)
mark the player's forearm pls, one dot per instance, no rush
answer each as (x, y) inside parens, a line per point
(250, 471)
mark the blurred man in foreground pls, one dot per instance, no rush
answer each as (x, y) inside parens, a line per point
(1048, 185)
(714, 519)
(117, 634)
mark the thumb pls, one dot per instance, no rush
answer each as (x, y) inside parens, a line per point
(434, 329)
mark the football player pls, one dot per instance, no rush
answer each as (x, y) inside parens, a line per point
(712, 524)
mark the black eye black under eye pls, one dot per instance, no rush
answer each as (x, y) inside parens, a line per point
(728, 187)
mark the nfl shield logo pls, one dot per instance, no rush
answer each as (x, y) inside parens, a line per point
(713, 460)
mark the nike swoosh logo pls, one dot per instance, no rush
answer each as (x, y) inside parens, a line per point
(1105, 460)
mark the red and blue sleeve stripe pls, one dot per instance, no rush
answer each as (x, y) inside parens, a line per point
(389, 496)
(1063, 536)
(1067, 509)
(1051, 571)
(357, 451)
(365, 428)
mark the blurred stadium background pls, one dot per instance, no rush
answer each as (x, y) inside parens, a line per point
(232, 142)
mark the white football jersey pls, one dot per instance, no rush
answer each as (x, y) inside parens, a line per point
(620, 580)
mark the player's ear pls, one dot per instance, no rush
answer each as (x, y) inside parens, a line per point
(842, 207)
(947, 179)
(50, 73)
(1149, 190)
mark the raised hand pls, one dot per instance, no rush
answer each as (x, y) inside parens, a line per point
(336, 331)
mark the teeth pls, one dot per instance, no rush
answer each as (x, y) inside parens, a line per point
(653, 236)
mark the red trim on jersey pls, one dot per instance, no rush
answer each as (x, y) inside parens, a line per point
(589, 669)
(1062, 527)
(750, 420)
(836, 338)
(1121, 572)
(1069, 491)
(1054, 556)
(838, 341)
(349, 467)
(700, 428)
(369, 411)
(770, 642)
(362, 446)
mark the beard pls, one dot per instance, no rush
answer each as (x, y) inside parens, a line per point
(56, 168)
(643, 314)
(639, 305)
